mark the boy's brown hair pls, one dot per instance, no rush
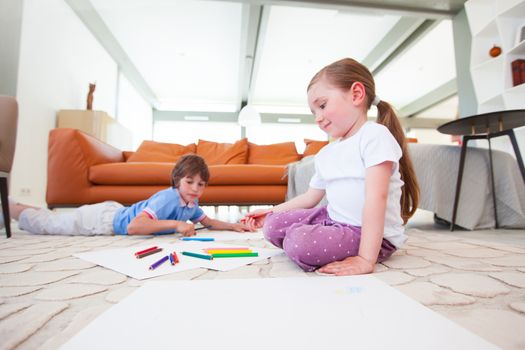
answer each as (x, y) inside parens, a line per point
(189, 165)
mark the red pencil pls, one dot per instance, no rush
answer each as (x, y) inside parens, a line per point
(175, 257)
(145, 250)
(140, 256)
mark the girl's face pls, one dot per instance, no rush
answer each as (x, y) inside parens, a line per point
(191, 188)
(336, 111)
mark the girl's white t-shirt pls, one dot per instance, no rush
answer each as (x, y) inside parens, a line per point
(340, 169)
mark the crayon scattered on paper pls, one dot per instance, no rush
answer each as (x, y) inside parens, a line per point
(200, 239)
(140, 256)
(228, 251)
(159, 262)
(146, 250)
(235, 255)
(197, 255)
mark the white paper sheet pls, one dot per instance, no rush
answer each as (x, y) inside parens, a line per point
(123, 259)
(358, 312)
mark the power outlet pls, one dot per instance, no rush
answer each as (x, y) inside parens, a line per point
(25, 192)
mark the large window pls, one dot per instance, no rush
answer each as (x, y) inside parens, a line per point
(190, 132)
(134, 113)
(275, 133)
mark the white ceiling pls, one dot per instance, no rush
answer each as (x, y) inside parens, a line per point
(427, 64)
(300, 41)
(187, 51)
(191, 54)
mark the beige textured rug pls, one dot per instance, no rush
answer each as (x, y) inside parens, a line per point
(472, 278)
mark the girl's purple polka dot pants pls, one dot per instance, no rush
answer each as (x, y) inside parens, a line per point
(311, 239)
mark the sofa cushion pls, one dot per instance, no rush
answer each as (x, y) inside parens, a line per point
(152, 151)
(152, 173)
(273, 154)
(131, 173)
(248, 174)
(127, 155)
(313, 146)
(215, 153)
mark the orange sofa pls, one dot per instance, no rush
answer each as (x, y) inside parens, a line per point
(84, 170)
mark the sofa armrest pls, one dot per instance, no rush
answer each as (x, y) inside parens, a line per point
(70, 155)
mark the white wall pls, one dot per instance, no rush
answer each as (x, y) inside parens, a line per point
(10, 29)
(58, 59)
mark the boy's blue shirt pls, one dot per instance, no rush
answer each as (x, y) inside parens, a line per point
(163, 205)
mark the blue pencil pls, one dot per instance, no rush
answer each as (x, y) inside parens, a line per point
(201, 239)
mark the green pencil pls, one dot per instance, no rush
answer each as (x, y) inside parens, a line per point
(234, 255)
(197, 255)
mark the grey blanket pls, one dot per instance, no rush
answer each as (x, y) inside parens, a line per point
(436, 169)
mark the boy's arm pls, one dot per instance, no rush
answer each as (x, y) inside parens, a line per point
(142, 224)
(221, 225)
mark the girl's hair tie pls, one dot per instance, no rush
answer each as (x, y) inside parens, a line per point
(376, 100)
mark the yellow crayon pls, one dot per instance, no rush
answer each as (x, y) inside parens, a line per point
(221, 251)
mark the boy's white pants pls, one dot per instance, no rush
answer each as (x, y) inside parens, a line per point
(94, 219)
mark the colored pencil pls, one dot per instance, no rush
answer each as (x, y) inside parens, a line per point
(172, 259)
(202, 228)
(197, 255)
(146, 250)
(140, 256)
(227, 248)
(200, 239)
(228, 251)
(175, 257)
(158, 263)
(235, 255)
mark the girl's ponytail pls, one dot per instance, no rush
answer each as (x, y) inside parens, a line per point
(410, 191)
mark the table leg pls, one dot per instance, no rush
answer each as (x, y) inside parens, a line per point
(492, 183)
(458, 183)
(5, 206)
(512, 137)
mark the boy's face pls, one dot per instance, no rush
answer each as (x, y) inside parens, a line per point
(191, 188)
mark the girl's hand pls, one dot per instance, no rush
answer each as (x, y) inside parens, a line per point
(186, 229)
(241, 227)
(353, 265)
(255, 219)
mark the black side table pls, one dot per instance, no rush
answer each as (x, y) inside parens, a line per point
(485, 126)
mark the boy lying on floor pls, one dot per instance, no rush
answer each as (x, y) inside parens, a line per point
(167, 211)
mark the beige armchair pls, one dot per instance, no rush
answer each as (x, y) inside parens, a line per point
(8, 126)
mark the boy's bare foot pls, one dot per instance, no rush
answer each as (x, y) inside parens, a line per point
(16, 208)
